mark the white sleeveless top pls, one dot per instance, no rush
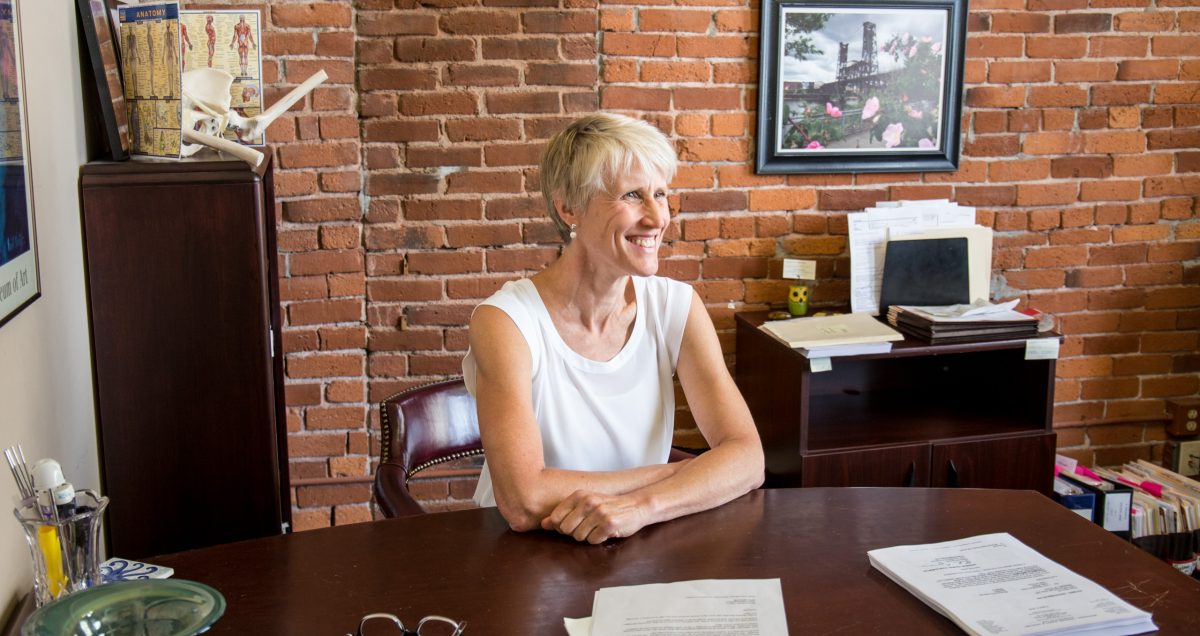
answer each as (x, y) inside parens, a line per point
(598, 416)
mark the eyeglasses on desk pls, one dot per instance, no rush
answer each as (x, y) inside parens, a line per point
(383, 624)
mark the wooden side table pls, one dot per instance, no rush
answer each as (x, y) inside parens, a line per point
(972, 415)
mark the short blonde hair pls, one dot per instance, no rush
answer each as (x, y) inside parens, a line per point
(584, 158)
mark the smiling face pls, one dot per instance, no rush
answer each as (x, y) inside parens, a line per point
(622, 227)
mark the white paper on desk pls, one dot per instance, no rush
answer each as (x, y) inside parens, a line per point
(749, 607)
(994, 584)
(868, 239)
(578, 626)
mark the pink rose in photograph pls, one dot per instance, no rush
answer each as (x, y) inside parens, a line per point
(832, 111)
(871, 108)
(925, 143)
(893, 134)
(814, 145)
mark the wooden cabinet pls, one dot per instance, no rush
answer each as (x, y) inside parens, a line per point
(971, 415)
(184, 318)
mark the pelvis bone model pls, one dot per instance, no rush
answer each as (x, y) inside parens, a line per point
(208, 112)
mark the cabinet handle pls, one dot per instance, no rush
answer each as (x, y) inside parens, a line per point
(911, 480)
(952, 475)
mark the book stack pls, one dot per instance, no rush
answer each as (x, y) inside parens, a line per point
(963, 323)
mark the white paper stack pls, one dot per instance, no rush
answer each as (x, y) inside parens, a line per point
(710, 606)
(994, 584)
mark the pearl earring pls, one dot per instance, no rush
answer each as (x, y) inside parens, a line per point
(572, 234)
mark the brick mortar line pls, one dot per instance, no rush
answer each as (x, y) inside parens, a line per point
(357, 479)
(1111, 421)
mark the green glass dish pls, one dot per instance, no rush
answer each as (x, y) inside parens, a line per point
(166, 607)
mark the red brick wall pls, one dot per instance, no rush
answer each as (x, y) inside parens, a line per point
(408, 192)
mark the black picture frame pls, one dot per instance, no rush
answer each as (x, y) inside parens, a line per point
(106, 69)
(822, 109)
(20, 277)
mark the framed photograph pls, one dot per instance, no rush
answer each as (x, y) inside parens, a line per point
(860, 86)
(19, 282)
(106, 69)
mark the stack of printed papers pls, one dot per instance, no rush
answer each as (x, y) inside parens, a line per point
(710, 606)
(994, 584)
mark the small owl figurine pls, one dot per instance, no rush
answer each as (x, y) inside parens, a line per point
(798, 300)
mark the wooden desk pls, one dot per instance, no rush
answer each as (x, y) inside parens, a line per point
(467, 565)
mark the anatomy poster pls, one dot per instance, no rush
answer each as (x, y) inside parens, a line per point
(228, 41)
(153, 92)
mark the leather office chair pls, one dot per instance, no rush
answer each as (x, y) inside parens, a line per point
(422, 427)
(425, 426)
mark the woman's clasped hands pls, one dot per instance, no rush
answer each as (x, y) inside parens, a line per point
(595, 517)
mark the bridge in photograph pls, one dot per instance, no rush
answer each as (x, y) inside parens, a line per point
(837, 90)
(855, 78)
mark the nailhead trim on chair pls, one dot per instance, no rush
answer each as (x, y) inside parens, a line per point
(441, 460)
(385, 424)
(385, 427)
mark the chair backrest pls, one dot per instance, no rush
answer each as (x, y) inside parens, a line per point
(422, 427)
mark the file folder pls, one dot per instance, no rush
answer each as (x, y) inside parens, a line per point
(925, 273)
(1113, 501)
(1075, 499)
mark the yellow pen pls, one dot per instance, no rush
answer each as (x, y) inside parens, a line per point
(47, 477)
(51, 549)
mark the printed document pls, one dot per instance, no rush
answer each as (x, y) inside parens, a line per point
(994, 584)
(747, 607)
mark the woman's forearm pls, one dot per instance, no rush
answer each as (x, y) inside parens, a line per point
(719, 475)
(527, 500)
(714, 478)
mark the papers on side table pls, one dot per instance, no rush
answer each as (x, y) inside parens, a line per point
(871, 229)
(751, 607)
(994, 584)
(826, 336)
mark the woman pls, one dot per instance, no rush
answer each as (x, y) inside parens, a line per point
(572, 369)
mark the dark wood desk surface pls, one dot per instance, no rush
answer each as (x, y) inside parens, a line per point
(468, 566)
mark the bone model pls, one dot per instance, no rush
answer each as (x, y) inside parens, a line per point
(207, 113)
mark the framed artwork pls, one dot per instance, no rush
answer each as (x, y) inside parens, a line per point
(860, 86)
(19, 282)
(106, 69)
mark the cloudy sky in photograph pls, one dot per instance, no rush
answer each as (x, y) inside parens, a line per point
(845, 25)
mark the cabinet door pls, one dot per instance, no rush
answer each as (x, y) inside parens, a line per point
(1022, 463)
(892, 466)
(178, 279)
